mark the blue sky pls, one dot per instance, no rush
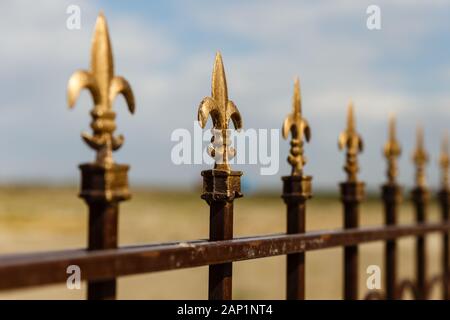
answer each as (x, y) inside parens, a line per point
(166, 50)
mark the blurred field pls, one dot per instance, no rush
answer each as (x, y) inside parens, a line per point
(39, 218)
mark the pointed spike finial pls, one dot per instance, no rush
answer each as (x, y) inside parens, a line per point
(392, 151)
(420, 158)
(299, 129)
(297, 98)
(102, 65)
(444, 162)
(419, 135)
(221, 111)
(104, 87)
(350, 117)
(352, 142)
(392, 135)
(219, 90)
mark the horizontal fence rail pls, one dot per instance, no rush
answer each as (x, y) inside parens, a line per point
(23, 270)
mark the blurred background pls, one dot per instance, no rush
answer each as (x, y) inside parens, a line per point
(166, 51)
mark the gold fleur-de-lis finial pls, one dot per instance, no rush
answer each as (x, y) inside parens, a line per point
(444, 162)
(420, 158)
(104, 86)
(299, 129)
(392, 151)
(352, 142)
(221, 110)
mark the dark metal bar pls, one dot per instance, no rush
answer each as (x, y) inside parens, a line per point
(419, 197)
(22, 270)
(103, 183)
(296, 190)
(391, 197)
(220, 188)
(352, 193)
(295, 263)
(391, 194)
(220, 185)
(444, 200)
(221, 228)
(102, 235)
(103, 187)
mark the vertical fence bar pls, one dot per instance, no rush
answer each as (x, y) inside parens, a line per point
(352, 192)
(221, 228)
(103, 188)
(296, 190)
(391, 197)
(220, 185)
(103, 183)
(351, 195)
(444, 201)
(420, 199)
(419, 196)
(102, 235)
(220, 188)
(391, 193)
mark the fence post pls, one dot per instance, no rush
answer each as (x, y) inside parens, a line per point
(103, 183)
(220, 185)
(420, 199)
(352, 192)
(296, 190)
(444, 201)
(391, 193)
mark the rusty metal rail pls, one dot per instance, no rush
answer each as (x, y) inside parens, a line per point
(23, 270)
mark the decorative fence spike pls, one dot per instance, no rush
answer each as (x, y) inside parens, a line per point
(420, 158)
(420, 197)
(103, 183)
(221, 111)
(352, 192)
(444, 202)
(220, 185)
(392, 151)
(444, 162)
(104, 86)
(299, 129)
(392, 196)
(297, 188)
(352, 142)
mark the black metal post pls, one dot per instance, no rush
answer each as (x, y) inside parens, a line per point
(391, 193)
(103, 187)
(296, 190)
(220, 188)
(420, 199)
(444, 201)
(351, 195)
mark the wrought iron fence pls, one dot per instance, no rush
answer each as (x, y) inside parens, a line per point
(104, 185)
